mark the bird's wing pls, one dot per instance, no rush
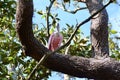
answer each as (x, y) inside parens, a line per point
(49, 42)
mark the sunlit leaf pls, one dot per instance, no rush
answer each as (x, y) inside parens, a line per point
(52, 30)
(113, 31)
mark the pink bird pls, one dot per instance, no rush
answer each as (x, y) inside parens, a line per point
(55, 40)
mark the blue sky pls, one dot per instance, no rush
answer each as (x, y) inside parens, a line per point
(113, 12)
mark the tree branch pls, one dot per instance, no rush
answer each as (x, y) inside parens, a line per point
(67, 43)
(84, 1)
(47, 17)
(74, 11)
(84, 67)
(35, 68)
(72, 65)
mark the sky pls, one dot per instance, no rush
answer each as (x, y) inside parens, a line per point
(113, 12)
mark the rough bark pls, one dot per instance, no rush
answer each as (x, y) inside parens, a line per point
(105, 69)
(99, 29)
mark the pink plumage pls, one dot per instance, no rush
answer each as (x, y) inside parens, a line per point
(55, 40)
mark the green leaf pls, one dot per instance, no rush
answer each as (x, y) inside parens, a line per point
(10, 58)
(113, 31)
(40, 12)
(2, 35)
(52, 30)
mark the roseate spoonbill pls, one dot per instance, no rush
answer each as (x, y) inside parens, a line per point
(55, 40)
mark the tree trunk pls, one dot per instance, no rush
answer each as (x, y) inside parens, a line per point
(99, 29)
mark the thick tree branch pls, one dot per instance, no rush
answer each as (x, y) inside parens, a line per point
(67, 43)
(105, 69)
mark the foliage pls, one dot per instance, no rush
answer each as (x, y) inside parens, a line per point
(114, 43)
(80, 46)
(14, 64)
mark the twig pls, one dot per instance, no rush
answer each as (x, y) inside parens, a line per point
(74, 11)
(83, 1)
(66, 76)
(35, 68)
(47, 17)
(67, 43)
(67, 49)
(45, 56)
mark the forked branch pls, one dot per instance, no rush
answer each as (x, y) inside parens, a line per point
(67, 43)
(72, 65)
